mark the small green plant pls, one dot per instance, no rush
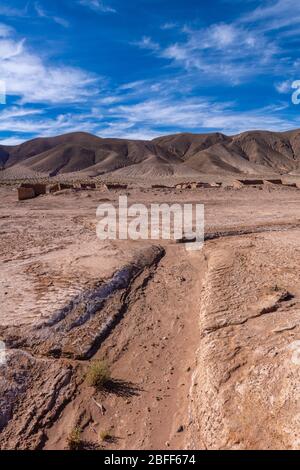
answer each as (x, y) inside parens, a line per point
(74, 439)
(98, 374)
(104, 436)
(276, 288)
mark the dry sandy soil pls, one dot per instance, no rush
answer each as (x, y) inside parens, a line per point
(202, 346)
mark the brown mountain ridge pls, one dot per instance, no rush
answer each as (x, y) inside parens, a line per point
(251, 153)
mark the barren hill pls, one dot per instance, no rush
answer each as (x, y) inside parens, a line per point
(253, 152)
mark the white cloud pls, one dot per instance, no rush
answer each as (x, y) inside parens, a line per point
(132, 85)
(161, 113)
(222, 36)
(10, 49)
(125, 130)
(284, 87)
(6, 10)
(17, 112)
(5, 31)
(28, 77)
(169, 25)
(97, 5)
(12, 141)
(147, 43)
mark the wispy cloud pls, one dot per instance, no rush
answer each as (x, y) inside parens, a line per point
(35, 122)
(147, 43)
(97, 5)
(168, 25)
(274, 15)
(196, 115)
(31, 10)
(235, 51)
(9, 11)
(19, 111)
(44, 14)
(227, 51)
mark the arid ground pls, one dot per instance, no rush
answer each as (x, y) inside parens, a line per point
(201, 346)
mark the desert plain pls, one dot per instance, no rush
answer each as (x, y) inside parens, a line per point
(202, 347)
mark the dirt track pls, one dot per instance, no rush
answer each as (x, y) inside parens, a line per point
(152, 352)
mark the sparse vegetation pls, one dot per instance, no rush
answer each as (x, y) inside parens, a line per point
(98, 374)
(75, 439)
(276, 288)
(104, 436)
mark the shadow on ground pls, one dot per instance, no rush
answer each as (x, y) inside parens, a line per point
(121, 388)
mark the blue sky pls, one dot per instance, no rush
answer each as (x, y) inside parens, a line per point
(142, 68)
